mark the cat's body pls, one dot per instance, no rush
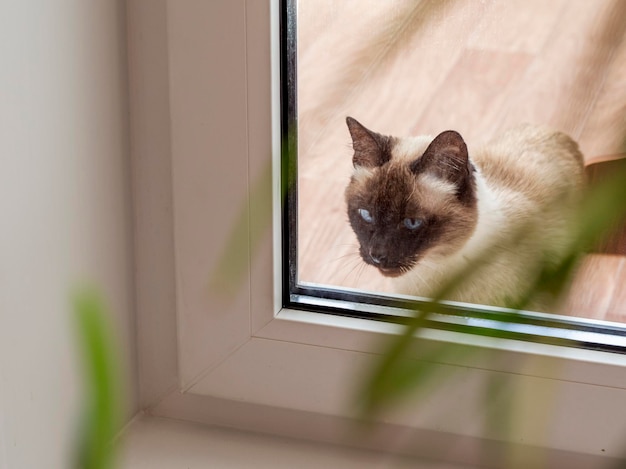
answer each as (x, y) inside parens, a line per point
(422, 209)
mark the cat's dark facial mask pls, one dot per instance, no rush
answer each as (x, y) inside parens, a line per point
(406, 199)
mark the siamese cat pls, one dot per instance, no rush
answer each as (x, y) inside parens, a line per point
(422, 209)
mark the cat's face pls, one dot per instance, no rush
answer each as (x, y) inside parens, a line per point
(409, 198)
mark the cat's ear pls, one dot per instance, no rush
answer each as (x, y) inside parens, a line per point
(370, 148)
(446, 158)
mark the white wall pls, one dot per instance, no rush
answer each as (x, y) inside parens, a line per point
(65, 210)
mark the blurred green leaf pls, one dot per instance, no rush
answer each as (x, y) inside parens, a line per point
(253, 223)
(602, 208)
(246, 234)
(398, 376)
(101, 418)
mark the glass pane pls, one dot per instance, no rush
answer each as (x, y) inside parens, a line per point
(405, 68)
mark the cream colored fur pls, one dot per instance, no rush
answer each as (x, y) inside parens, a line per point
(528, 179)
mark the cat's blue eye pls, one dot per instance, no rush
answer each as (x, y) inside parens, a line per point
(412, 223)
(365, 215)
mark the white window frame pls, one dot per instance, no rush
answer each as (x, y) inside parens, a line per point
(244, 361)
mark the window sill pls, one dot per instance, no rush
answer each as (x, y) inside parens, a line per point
(155, 443)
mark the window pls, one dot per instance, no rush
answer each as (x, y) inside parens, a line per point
(421, 68)
(248, 361)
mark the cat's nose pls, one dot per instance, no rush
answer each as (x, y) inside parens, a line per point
(377, 258)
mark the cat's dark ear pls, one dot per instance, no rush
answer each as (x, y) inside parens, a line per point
(446, 158)
(370, 148)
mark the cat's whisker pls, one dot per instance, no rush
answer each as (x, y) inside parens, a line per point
(343, 257)
(345, 245)
(347, 255)
(362, 269)
(411, 194)
(357, 271)
(358, 268)
(352, 255)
